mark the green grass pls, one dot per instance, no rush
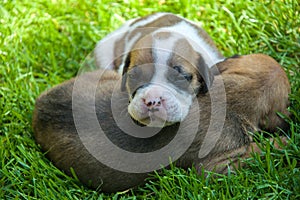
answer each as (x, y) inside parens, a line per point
(43, 42)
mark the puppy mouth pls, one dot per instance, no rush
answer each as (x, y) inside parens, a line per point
(137, 122)
(151, 121)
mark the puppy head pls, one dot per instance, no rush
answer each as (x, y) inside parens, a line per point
(163, 75)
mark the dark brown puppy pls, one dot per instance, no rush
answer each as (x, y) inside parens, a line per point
(256, 88)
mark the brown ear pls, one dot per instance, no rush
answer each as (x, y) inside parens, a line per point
(205, 77)
(124, 73)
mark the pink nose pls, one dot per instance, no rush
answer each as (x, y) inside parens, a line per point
(153, 98)
(154, 102)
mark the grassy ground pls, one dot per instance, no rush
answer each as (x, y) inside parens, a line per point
(42, 43)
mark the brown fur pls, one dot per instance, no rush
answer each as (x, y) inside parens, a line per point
(256, 88)
(266, 87)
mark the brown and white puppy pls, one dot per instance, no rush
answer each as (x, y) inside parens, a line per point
(164, 60)
(256, 89)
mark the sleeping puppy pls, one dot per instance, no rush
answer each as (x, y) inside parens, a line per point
(172, 55)
(256, 89)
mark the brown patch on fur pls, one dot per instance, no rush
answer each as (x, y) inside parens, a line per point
(141, 53)
(185, 56)
(141, 57)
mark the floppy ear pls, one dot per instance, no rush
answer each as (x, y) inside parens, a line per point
(124, 73)
(205, 76)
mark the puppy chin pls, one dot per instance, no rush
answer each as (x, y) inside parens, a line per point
(155, 122)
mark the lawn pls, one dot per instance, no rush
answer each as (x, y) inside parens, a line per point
(43, 43)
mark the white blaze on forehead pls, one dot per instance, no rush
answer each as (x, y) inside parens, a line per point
(190, 33)
(162, 51)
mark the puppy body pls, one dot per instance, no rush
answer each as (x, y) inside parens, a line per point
(172, 52)
(256, 88)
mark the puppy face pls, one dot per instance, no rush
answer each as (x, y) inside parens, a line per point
(162, 75)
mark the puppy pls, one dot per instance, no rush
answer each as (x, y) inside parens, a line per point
(64, 125)
(172, 54)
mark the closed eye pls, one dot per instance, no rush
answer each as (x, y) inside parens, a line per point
(179, 78)
(187, 76)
